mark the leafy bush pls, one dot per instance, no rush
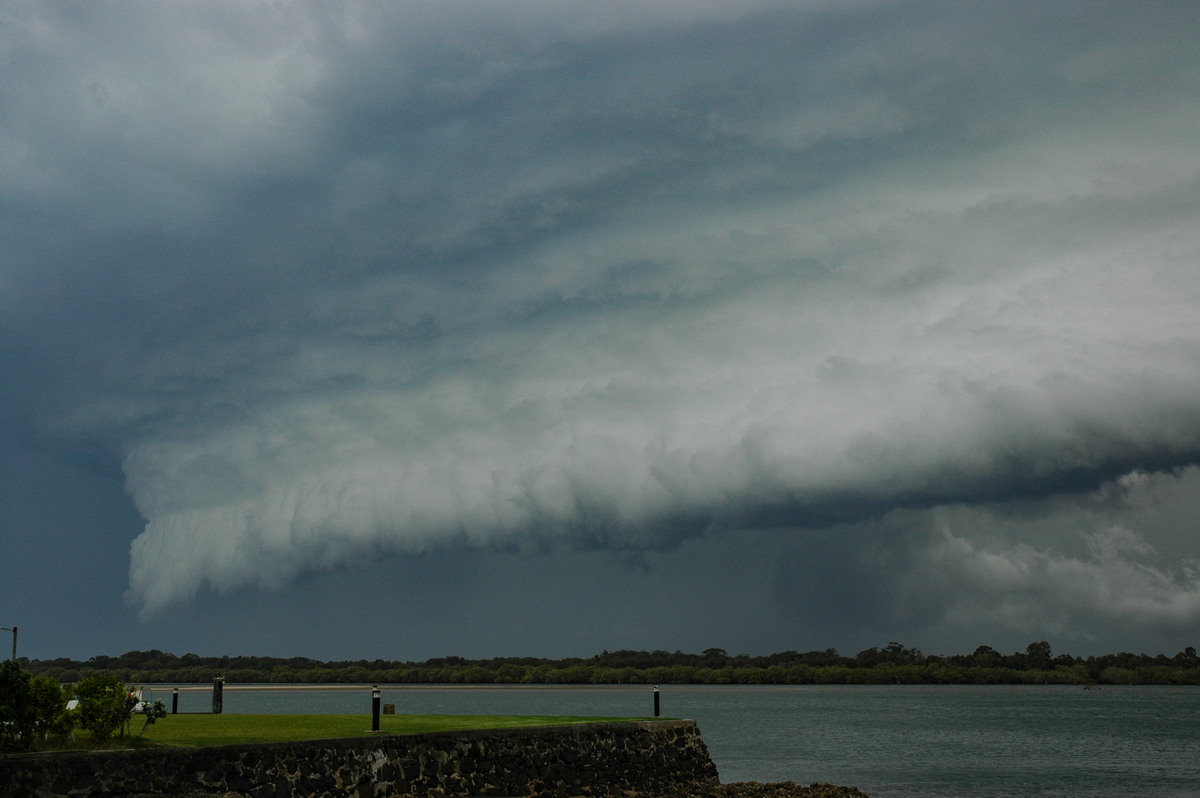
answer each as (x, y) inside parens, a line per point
(104, 705)
(152, 712)
(31, 708)
(52, 720)
(15, 718)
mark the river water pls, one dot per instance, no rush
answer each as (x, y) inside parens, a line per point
(890, 741)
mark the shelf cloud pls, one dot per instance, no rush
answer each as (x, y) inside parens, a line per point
(331, 282)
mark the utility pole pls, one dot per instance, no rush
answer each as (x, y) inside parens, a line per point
(12, 629)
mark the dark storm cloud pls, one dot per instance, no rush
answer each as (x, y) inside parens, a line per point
(336, 280)
(1106, 569)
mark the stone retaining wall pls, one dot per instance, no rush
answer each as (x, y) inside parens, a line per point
(595, 759)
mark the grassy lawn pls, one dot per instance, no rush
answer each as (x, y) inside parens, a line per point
(228, 729)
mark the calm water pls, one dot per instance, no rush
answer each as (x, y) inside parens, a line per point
(893, 742)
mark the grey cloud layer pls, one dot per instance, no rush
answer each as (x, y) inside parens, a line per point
(1111, 567)
(394, 278)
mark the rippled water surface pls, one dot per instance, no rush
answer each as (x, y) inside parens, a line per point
(893, 741)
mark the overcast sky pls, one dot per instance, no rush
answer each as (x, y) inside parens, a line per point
(541, 328)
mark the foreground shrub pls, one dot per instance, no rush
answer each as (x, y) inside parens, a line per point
(104, 706)
(32, 708)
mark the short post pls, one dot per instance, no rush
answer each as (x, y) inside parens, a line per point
(375, 708)
(175, 701)
(656, 700)
(218, 697)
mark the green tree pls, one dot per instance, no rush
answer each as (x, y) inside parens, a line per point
(50, 708)
(986, 657)
(31, 708)
(1039, 655)
(16, 701)
(103, 705)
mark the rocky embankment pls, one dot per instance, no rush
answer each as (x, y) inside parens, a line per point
(744, 789)
(659, 759)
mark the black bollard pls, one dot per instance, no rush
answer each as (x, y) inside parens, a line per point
(175, 701)
(375, 708)
(656, 700)
(218, 695)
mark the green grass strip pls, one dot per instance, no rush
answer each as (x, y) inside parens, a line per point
(231, 729)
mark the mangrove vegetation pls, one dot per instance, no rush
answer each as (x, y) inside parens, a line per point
(890, 664)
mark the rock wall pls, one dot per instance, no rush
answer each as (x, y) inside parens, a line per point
(596, 759)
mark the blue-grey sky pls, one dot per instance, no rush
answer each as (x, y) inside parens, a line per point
(414, 329)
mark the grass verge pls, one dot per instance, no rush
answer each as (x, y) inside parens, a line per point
(231, 729)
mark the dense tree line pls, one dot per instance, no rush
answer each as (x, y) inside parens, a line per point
(891, 664)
